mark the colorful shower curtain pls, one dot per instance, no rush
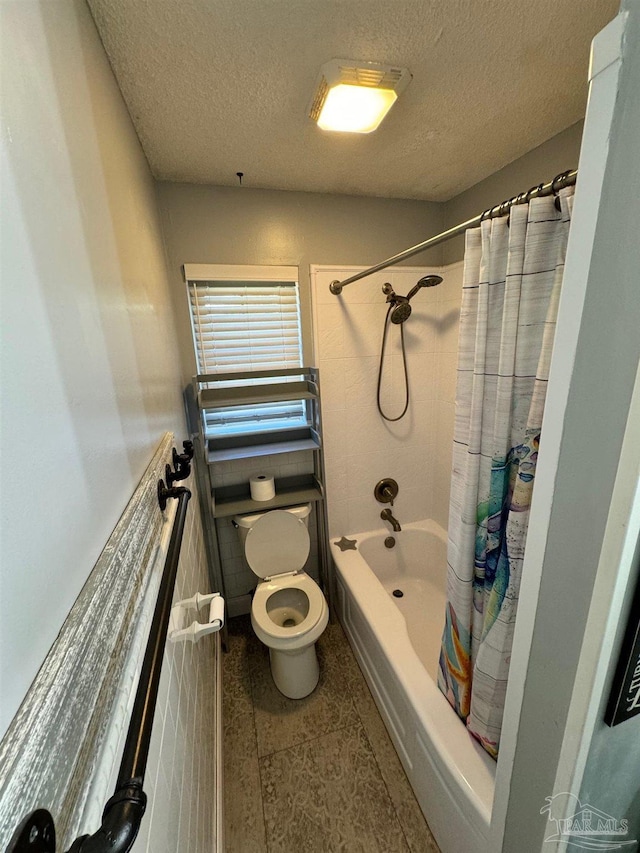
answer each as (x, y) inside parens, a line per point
(512, 277)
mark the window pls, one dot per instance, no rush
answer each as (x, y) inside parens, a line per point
(245, 319)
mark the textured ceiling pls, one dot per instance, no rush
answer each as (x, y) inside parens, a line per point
(220, 86)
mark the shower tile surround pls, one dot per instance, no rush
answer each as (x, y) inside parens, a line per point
(361, 448)
(316, 774)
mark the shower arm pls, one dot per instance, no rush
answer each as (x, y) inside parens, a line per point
(564, 179)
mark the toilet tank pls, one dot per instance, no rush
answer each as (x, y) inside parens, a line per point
(244, 523)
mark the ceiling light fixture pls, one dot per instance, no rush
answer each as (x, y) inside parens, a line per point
(354, 97)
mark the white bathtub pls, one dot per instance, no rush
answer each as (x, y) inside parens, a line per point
(397, 643)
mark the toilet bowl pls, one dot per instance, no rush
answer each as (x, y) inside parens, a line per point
(288, 611)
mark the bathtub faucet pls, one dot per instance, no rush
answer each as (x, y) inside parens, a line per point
(386, 515)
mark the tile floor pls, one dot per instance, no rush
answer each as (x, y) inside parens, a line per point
(315, 775)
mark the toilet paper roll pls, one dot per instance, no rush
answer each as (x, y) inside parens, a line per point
(216, 611)
(262, 487)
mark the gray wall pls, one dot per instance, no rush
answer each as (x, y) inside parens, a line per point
(240, 225)
(611, 780)
(539, 165)
(90, 381)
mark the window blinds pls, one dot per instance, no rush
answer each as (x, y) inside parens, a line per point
(242, 326)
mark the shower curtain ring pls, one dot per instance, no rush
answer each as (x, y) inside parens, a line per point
(557, 184)
(559, 180)
(533, 190)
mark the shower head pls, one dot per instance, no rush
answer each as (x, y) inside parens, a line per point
(426, 281)
(401, 310)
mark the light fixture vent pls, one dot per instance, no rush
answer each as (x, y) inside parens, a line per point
(322, 91)
(378, 77)
(344, 99)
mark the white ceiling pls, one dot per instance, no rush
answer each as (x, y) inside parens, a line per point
(220, 86)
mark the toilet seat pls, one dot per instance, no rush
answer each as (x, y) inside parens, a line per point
(277, 544)
(288, 611)
(264, 625)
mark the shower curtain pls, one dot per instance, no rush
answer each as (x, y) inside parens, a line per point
(512, 277)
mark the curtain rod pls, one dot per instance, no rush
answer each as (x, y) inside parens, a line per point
(564, 179)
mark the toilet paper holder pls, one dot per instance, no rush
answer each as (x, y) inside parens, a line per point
(178, 633)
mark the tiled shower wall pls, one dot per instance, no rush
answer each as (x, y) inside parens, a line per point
(360, 447)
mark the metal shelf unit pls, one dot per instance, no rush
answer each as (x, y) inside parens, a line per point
(211, 394)
(236, 500)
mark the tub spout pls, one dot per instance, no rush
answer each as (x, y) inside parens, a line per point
(386, 515)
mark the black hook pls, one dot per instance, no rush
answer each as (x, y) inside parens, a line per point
(181, 464)
(36, 834)
(165, 493)
(185, 458)
(171, 476)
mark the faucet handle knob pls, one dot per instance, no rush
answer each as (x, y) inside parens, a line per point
(386, 491)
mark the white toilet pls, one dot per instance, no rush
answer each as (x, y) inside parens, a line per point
(289, 611)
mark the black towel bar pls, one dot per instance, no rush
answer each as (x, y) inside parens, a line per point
(123, 812)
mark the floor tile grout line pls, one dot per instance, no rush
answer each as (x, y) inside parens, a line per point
(268, 755)
(310, 740)
(255, 732)
(264, 816)
(358, 704)
(375, 753)
(255, 740)
(386, 787)
(373, 749)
